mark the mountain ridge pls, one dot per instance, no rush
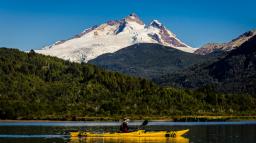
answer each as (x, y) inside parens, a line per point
(212, 48)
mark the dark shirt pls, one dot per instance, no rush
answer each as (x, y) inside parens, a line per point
(124, 128)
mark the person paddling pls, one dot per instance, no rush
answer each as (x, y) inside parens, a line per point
(124, 126)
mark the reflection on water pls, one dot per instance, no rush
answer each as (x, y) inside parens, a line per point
(129, 140)
(57, 132)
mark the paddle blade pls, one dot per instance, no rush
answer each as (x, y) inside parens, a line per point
(145, 123)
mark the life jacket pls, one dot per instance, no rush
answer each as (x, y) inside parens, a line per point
(124, 128)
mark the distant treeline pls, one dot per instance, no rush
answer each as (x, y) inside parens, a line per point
(34, 86)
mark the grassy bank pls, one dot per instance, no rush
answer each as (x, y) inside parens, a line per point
(141, 118)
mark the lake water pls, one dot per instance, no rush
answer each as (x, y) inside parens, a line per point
(57, 132)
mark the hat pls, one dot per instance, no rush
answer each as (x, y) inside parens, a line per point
(126, 120)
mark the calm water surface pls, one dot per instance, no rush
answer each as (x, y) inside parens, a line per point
(57, 132)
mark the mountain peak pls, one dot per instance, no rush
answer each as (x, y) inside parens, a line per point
(112, 36)
(133, 14)
(156, 24)
(240, 40)
(134, 18)
(249, 33)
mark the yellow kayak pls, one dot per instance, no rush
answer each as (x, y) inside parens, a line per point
(128, 140)
(139, 133)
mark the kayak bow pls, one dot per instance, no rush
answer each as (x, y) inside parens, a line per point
(139, 133)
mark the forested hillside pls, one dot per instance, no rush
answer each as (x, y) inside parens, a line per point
(148, 60)
(233, 73)
(34, 86)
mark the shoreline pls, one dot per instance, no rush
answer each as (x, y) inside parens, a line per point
(154, 119)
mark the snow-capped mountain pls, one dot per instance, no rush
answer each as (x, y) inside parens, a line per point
(111, 37)
(225, 47)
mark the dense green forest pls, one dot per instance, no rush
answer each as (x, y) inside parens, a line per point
(234, 72)
(34, 86)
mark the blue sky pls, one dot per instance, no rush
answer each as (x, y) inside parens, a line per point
(32, 24)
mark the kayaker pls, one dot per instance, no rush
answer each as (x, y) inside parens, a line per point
(124, 126)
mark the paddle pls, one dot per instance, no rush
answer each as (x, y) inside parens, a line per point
(145, 122)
